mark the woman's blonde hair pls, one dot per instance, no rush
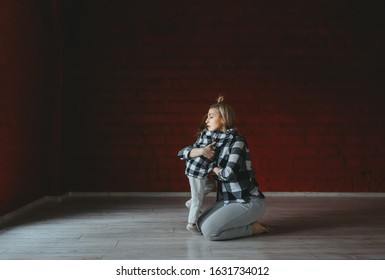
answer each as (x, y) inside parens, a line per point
(226, 112)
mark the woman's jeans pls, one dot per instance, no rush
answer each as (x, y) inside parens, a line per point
(233, 220)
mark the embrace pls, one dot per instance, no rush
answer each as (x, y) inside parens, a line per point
(221, 157)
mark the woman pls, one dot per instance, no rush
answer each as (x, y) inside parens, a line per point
(241, 203)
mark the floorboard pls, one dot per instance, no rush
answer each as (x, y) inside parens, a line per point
(115, 228)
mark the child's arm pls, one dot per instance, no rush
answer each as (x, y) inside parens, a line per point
(207, 152)
(191, 152)
(184, 153)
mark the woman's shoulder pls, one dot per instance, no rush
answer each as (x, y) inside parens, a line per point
(238, 137)
(236, 140)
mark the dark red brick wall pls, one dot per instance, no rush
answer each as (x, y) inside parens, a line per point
(306, 81)
(27, 110)
(304, 77)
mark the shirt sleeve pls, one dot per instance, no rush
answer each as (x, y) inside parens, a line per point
(229, 173)
(184, 153)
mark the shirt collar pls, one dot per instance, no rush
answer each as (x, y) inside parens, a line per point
(219, 135)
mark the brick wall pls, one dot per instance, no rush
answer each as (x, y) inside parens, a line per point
(24, 103)
(305, 79)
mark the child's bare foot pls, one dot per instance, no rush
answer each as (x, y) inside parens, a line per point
(258, 228)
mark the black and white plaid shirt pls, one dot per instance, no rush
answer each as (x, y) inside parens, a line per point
(236, 177)
(199, 167)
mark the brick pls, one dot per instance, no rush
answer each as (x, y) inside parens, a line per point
(308, 98)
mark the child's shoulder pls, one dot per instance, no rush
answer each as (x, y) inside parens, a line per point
(205, 133)
(204, 139)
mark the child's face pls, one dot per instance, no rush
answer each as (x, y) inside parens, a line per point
(214, 121)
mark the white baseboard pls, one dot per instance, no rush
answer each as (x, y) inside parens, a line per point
(15, 213)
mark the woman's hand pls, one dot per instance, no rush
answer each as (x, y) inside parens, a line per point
(216, 170)
(208, 151)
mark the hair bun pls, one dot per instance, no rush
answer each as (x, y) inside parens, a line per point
(220, 99)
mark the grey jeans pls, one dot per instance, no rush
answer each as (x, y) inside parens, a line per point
(233, 220)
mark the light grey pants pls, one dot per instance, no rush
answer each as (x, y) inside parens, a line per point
(199, 188)
(233, 220)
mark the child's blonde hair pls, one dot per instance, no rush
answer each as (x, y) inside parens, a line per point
(226, 112)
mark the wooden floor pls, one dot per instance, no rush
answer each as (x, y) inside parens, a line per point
(305, 228)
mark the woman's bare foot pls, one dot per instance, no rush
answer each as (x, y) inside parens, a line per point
(258, 228)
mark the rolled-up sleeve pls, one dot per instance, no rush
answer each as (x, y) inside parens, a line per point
(185, 152)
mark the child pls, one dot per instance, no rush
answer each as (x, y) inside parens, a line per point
(210, 183)
(197, 170)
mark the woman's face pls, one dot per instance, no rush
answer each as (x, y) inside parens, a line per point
(214, 121)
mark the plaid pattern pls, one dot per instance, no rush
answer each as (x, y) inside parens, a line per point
(236, 177)
(199, 167)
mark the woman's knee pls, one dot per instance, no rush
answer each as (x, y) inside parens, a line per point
(213, 237)
(210, 232)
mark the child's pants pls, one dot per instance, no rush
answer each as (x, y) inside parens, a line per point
(199, 188)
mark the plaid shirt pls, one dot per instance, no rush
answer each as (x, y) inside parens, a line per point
(199, 167)
(236, 177)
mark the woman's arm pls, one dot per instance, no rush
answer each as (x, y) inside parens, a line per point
(234, 163)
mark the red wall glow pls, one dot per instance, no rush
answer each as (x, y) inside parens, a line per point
(23, 104)
(100, 95)
(304, 80)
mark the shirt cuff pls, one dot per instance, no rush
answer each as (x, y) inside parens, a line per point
(184, 153)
